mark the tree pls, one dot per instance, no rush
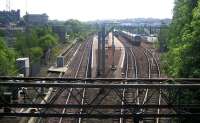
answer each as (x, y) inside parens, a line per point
(162, 38)
(77, 29)
(47, 41)
(35, 54)
(183, 56)
(2, 33)
(180, 39)
(35, 42)
(7, 60)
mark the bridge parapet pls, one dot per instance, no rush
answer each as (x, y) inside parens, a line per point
(34, 90)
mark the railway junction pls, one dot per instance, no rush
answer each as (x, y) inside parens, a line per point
(112, 77)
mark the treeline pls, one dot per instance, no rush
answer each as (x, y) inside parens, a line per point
(183, 40)
(182, 56)
(37, 43)
(79, 30)
(7, 59)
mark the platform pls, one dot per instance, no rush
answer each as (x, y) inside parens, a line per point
(94, 56)
(118, 57)
(57, 69)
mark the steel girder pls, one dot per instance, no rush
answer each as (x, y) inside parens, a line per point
(104, 99)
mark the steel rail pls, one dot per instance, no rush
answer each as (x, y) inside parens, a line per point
(126, 76)
(146, 52)
(71, 89)
(159, 74)
(136, 76)
(124, 90)
(86, 75)
(67, 54)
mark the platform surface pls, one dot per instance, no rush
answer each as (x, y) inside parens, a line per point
(57, 69)
(120, 61)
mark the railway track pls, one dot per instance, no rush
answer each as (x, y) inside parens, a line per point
(52, 94)
(57, 94)
(146, 66)
(129, 96)
(139, 63)
(77, 68)
(152, 96)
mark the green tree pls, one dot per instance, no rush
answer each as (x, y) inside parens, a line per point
(47, 41)
(183, 56)
(7, 59)
(181, 32)
(35, 54)
(162, 38)
(77, 29)
(35, 42)
(2, 33)
(191, 54)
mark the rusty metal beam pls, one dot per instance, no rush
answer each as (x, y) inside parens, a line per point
(164, 80)
(104, 116)
(126, 106)
(111, 86)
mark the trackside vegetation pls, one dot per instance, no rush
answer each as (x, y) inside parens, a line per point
(38, 43)
(183, 40)
(182, 56)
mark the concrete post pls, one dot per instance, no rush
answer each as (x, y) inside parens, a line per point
(99, 55)
(103, 60)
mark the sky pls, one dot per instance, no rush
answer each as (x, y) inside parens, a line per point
(86, 10)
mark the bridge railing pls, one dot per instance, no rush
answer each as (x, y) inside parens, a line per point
(39, 97)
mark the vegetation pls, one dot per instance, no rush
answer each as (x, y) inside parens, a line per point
(163, 38)
(7, 59)
(38, 43)
(77, 29)
(183, 56)
(35, 43)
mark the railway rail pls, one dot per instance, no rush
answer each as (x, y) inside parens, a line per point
(143, 68)
(77, 68)
(50, 95)
(68, 56)
(129, 96)
(76, 97)
(53, 95)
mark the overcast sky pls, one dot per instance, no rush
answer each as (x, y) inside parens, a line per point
(85, 10)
